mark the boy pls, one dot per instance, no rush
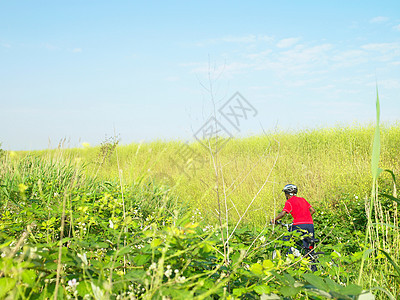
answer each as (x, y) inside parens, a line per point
(300, 210)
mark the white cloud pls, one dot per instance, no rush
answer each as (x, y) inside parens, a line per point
(379, 19)
(381, 47)
(389, 83)
(300, 61)
(6, 45)
(397, 27)
(259, 55)
(77, 50)
(383, 52)
(349, 58)
(301, 54)
(286, 43)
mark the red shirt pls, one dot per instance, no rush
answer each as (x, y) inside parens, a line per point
(299, 208)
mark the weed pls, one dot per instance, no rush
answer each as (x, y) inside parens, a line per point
(107, 148)
(2, 152)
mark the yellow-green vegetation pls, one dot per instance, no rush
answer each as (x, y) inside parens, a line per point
(325, 164)
(171, 220)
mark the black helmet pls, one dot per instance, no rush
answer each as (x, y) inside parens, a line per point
(290, 189)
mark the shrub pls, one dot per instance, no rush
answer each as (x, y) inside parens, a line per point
(2, 152)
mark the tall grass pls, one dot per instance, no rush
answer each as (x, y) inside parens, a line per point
(99, 198)
(325, 163)
(382, 230)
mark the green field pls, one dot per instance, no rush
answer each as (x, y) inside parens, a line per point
(168, 220)
(326, 164)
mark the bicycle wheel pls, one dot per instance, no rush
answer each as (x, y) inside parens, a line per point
(314, 260)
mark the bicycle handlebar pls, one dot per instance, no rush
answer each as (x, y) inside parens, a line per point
(283, 224)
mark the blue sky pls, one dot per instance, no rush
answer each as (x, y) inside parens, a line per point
(81, 69)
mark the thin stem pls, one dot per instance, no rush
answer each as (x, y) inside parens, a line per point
(368, 229)
(60, 249)
(254, 198)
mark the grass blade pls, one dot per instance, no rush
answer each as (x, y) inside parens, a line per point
(390, 197)
(375, 171)
(394, 182)
(395, 266)
(376, 148)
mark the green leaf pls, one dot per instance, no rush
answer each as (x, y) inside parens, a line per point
(6, 284)
(124, 250)
(289, 291)
(239, 292)
(141, 259)
(83, 288)
(100, 245)
(60, 292)
(351, 289)
(5, 244)
(135, 275)
(177, 294)
(29, 277)
(268, 264)
(279, 277)
(316, 281)
(257, 269)
(235, 257)
(340, 296)
(155, 243)
(51, 266)
(333, 286)
(262, 289)
(289, 279)
(207, 248)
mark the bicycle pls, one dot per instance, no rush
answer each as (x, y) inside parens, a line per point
(301, 249)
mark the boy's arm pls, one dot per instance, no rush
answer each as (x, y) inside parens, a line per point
(312, 210)
(279, 216)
